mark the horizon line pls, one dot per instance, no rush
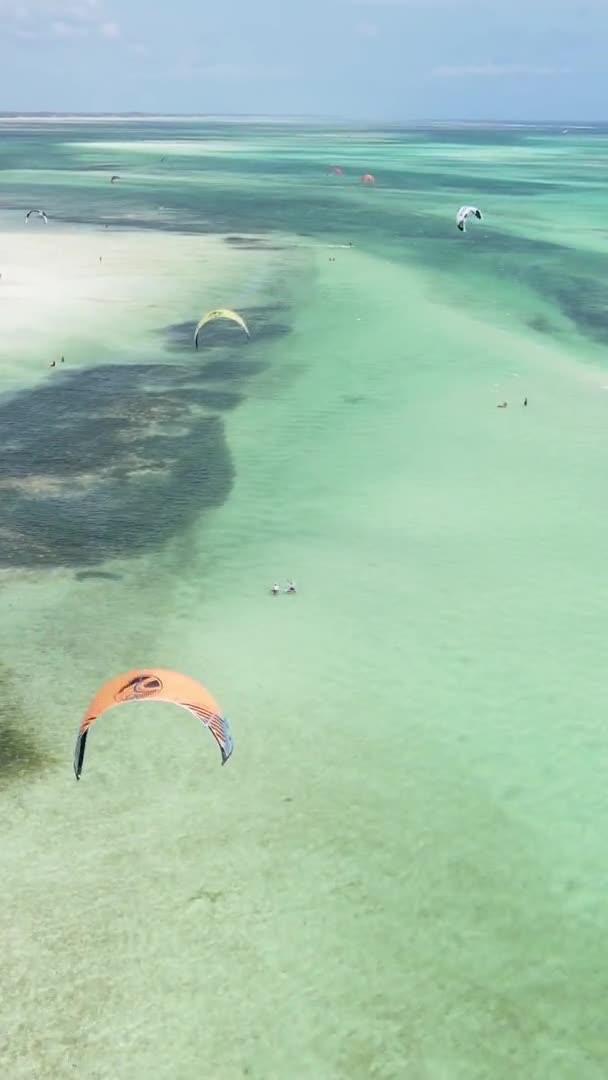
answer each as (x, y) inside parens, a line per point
(324, 117)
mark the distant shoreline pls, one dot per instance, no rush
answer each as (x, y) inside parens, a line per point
(252, 118)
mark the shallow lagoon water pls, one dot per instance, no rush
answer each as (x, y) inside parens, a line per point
(401, 873)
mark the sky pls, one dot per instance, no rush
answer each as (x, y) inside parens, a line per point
(391, 60)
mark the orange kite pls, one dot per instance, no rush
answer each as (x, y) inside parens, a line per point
(156, 684)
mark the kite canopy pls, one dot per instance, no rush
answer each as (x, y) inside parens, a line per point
(156, 684)
(367, 178)
(220, 313)
(464, 213)
(40, 213)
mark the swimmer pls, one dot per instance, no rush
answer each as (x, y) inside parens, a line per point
(52, 364)
(525, 401)
(291, 586)
(275, 589)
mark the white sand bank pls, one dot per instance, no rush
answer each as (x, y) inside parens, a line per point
(93, 293)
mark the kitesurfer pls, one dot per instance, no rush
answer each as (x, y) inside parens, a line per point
(291, 586)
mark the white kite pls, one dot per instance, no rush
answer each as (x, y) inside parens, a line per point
(40, 213)
(464, 213)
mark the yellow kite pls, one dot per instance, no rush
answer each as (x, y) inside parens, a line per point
(219, 313)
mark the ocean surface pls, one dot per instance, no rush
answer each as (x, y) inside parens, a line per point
(402, 872)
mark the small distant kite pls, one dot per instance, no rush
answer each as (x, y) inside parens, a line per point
(40, 213)
(156, 684)
(220, 313)
(368, 178)
(464, 213)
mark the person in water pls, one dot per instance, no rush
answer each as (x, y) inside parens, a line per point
(503, 406)
(53, 362)
(63, 359)
(525, 401)
(275, 589)
(291, 587)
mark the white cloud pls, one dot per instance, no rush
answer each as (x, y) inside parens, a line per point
(241, 72)
(198, 73)
(109, 29)
(366, 30)
(421, 4)
(580, 9)
(57, 18)
(496, 71)
(51, 9)
(62, 29)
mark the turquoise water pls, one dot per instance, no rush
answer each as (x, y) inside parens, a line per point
(402, 870)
